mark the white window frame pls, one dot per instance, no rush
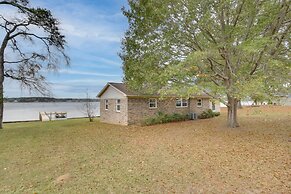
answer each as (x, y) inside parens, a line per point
(178, 99)
(155, 101)
(106, 104)
(181, 101)
(198, 103)
(117, 104)
(186, 102)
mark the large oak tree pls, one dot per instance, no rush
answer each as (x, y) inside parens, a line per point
(228, 49)
(31, 42)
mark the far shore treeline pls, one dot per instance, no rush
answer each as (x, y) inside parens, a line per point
(48, 99)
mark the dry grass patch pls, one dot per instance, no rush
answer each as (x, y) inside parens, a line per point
(188, 157)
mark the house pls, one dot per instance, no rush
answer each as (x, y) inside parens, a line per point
(118, 105)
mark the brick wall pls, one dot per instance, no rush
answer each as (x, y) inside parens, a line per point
(138, 109)
(110, 115)
(199, 110)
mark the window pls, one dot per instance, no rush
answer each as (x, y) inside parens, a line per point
(153, 103)
(199, 102)
(184, 103)
(106, 105)
(180, 102)
(118, 105)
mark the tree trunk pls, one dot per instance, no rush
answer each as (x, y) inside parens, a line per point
(1, 105)
(232, 112)
(1, 90)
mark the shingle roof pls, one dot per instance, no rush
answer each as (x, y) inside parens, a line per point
(122, 88)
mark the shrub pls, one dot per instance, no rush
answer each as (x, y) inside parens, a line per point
(216, 114)
(150, 121)
(208, 114)
(161, 117)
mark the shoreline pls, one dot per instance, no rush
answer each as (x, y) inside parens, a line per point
(28, 121)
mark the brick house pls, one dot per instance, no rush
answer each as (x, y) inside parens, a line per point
(118, 105)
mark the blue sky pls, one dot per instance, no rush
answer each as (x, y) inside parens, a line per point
(94, 29)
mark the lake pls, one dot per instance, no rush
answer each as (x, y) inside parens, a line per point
(30, 111)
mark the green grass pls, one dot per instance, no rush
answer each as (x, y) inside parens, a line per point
(34, 154)
(192, 156)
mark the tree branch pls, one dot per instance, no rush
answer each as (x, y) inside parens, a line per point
(14, 4)
(214, 96)
(209, 34)
(214, 81)
(43, 39)
(37, 84)
(15, 47)
(238, 13)
(257, 63)
(214, 71)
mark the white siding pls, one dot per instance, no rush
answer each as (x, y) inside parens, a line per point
(112, 93)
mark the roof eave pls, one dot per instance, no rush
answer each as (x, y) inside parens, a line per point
(158, 96)
(103, 90)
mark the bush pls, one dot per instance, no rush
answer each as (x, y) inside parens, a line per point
(161, 117)
(208, 114)
(216, 114)
(150, 121)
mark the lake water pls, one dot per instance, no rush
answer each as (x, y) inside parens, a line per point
(30, 111)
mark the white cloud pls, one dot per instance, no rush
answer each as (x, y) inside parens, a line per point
(83, 24)
(93, 37)
(97, 60)
(74, 72)
(78, 87)
(95, 82)
(79, 32)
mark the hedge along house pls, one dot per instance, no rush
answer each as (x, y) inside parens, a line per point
(118, 105)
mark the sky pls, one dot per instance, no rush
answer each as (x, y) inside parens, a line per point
(94, 30)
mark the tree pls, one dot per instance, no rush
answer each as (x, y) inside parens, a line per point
(31, 42)
(227, 49)
(89, 108)
(268, 93)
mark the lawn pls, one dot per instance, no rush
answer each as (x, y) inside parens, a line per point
(202, 156)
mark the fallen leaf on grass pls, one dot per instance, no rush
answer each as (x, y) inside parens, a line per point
(63, 178)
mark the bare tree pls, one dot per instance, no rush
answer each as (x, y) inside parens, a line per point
(32, 42)
(89, 108)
